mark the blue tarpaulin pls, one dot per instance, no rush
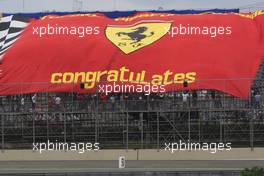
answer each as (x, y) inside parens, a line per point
(115, 14)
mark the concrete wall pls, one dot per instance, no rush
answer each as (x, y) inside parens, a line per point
(234, 154)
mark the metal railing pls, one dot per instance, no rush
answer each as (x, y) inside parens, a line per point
(131, 120)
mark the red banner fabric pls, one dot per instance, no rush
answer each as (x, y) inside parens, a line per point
(208, 51)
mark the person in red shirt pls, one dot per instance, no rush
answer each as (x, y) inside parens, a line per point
(103, 97)
(103, 101)
(50, 103)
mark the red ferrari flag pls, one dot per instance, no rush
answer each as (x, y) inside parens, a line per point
(207, 51)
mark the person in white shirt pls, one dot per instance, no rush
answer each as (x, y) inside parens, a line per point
(57, 103)
(22, 104)
(57, 100)
(34, 101)
(2, 104)
(185, 97)
(257, 100)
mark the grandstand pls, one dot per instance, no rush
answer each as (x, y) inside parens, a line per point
(131, 121)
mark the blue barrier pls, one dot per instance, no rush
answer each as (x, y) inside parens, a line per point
(116, 14)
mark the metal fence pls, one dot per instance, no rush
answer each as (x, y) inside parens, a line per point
(131, 120)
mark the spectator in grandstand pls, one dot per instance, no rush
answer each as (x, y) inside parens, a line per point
(10, 99)
(94, 101)
(142, 104)
(252, 95)
(103, 98)
(50, 103)
(194, 98)
(212, 102)
(125, 99)
(22, 104)
(112, 100)
(203, 94)
(161, 96)
(34, 101)
(185, 96)
(252, 98)
(80, 101)
(171, 95)
(89, 101)
(57, 103)
(2, 104)
(121, 97)
(16, 103)
(154, 103)
(218, 102)
(257, 100)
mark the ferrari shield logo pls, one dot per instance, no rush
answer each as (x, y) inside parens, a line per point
(132, 38)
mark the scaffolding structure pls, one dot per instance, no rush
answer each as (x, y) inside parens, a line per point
(134, 124)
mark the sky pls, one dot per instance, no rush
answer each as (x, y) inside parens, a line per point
(14, 6)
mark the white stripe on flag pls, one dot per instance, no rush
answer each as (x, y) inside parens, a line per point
(6, 19)
(18, 24)
(9, 43)
(2, 51)
(3, 33)
(13, 35)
